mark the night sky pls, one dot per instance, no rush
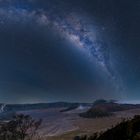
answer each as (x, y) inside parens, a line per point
(69, 50)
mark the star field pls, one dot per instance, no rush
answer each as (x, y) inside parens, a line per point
(60, 51)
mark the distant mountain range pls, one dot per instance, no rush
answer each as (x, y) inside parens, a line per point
(7, 111)
(22, 107)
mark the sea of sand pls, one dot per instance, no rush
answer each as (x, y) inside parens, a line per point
(65, 125)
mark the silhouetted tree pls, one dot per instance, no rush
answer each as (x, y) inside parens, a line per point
(21, 127)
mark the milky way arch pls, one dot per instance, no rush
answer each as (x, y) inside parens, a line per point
(73, 27)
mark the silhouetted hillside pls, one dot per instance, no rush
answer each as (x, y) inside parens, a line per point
(126, 130)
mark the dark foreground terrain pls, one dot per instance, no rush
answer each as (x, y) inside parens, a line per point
(126, 130)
